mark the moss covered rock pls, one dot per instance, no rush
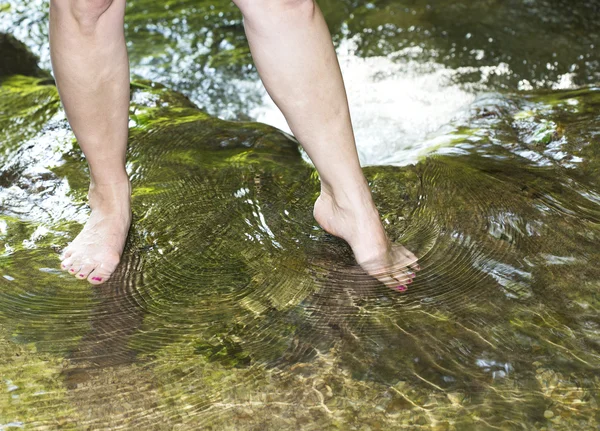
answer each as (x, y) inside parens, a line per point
(232, 309)
(17, 59)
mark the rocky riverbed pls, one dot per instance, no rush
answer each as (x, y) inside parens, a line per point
(233, 310)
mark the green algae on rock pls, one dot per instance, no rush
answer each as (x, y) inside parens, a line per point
(198, 46)
(233, 310)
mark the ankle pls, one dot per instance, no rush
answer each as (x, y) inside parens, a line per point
(110, 197)
(109, 179)
(353, 217)
(354, 197)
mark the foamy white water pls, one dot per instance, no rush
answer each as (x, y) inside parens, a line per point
(401, 110)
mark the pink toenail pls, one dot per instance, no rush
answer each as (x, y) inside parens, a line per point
(71, 270)
(81, 275)
(97, 278)
(401, 288)
(408, 281)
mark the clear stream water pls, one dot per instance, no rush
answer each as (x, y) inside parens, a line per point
(478, 126)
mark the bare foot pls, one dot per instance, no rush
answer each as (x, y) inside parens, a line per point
(95, 253)
(360, 226)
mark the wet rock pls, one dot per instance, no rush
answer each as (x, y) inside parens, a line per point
(17, 59)
(455, 397)
(233, 310)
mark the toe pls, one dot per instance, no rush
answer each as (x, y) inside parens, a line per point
(392, 283)
(402, 277)
(67, 252)
(85, 271)
(388, 281)
(415, 266)
(75, 268)
(102, 272)
(72, 264)
(97, 277)
(408, 258)
(67, 263)
(411, 260)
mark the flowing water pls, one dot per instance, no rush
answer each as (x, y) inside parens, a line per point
(478, 125)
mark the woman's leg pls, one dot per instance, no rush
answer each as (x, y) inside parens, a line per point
(90, 63)
(293, 52)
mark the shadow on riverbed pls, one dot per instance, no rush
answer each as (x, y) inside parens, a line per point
(233, 310)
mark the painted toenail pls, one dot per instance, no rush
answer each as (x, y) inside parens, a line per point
(401, 288)
(81, 275)
(408, 281)
(71, 270)
(97, 278)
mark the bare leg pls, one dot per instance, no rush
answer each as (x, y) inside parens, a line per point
(90, 63)
(293, 52)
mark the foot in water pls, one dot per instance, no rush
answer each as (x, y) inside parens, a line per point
(95, 253)
(358, 223)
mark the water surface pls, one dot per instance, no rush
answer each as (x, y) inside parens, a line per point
(233, 310)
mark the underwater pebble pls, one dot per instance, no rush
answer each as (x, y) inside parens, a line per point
(548, 414)
(247, 413)
(455, 397)
(51, 270)
(12, 425)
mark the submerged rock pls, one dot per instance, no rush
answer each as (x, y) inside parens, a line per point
(233, 310)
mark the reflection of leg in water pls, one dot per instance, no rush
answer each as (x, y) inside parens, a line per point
(89, 60)
(293, 52)
(113, 321)
(107, 386)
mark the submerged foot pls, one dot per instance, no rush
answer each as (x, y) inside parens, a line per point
(95, 253)
(358, 223)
